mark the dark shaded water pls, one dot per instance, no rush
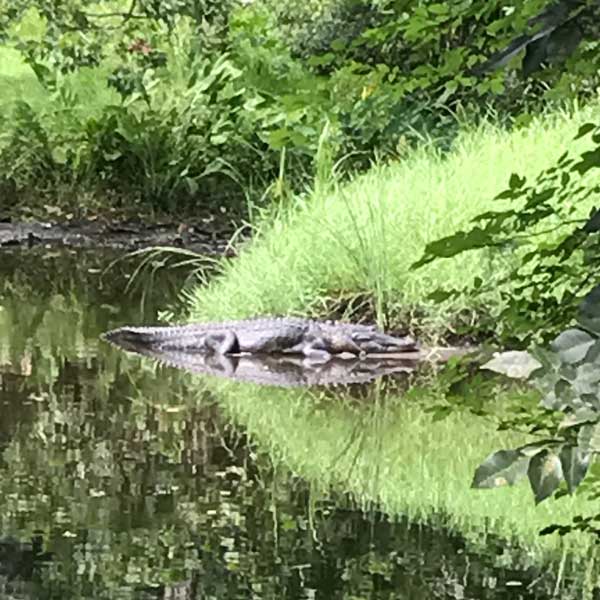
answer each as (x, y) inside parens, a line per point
(118, 481)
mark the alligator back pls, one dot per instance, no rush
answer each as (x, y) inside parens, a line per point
(263, 335)
(245, 335)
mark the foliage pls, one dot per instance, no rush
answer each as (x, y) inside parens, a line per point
(379, 76)
(568, 378)
(186, 127)
(556, 245)
(61, 37)
(167, 135)
(434, 47)
(405, 71)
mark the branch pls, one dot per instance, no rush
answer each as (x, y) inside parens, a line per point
(528, 236)
(126, 15)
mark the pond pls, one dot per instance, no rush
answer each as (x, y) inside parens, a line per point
(123, 479)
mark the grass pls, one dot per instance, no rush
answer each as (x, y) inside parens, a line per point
(390, 453)
(361, 238)
(18, 82)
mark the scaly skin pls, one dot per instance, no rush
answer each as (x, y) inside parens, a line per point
(279, 335)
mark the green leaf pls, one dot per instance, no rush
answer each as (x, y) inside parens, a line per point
(572, 345)
(589, 160)
(587, 380)
(192, 185)
(440, 413)
(509, 194)
(219, 138)
(550, 360)
(441, 295)
(453, 245)
(324, 59)
(593, 223)
(515, 182)
(579, 417)
(438, 9)
(584, 130)
(534, 447)
(279, 137)
(514, 364)
(497, 86)
(545, 474)
(554, 528)
(501, 468)
(593, 355)
(112, 155)
(59, 155)
(588, 438)
(589, 311)
(575, 464)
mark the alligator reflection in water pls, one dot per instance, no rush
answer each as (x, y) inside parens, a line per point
(173, 348)
(281, 371)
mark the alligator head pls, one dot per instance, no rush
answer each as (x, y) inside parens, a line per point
(377, 341)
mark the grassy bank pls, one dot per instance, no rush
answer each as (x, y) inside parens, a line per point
(389, 453)
(358, 240)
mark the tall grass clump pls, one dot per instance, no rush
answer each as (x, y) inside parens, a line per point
(359, 240)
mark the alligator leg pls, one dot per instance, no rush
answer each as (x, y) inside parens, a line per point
(382, 342)
(225, 342)
(316, 349)
(315, 355)
(323, 346)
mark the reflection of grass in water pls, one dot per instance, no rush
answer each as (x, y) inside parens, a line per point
(53, 308)
(393, 454)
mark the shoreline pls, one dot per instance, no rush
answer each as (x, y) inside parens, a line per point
(196, 236)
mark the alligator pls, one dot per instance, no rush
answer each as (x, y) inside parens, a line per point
(319, 340)
(296, 370)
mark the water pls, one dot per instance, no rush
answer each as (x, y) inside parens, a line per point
(121, 480)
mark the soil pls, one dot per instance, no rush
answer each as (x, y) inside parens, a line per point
(207, 238)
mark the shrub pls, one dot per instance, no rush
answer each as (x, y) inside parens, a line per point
(206, 99)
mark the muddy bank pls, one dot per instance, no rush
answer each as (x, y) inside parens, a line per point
(201, 237)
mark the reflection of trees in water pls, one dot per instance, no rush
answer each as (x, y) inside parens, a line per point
(54, 306)
(19, 565)
(57, 304)
(145, 485)
(90, 275)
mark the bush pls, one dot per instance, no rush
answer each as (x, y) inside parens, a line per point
(180, 131)
(414, 65)
(206, 99)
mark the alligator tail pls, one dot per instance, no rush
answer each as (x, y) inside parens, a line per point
(132, 337)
